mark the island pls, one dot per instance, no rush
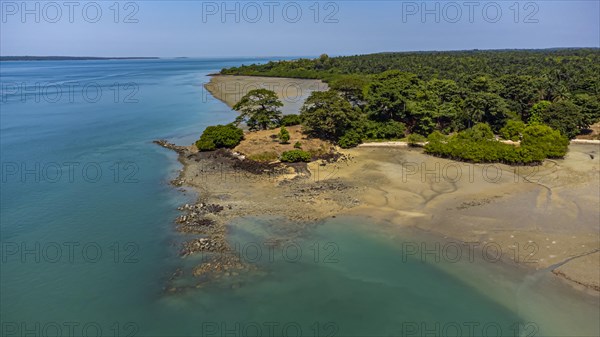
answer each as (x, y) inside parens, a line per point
(470, 146)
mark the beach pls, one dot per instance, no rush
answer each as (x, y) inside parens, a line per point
(539, 217)
(291, 91)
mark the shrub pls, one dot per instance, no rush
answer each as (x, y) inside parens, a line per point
(350, 139)
(264, 156)
(436, 143)
(298, 145)
(436, 136)
(549, 141)
(284, 135)
(513, 130)
(295, 156)
(415, 139)
(477, 146)
(525, 155)
(291, 120)
(220, 136)
(206, 145)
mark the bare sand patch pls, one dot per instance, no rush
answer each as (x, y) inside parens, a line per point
(292, 92)
(264, 145)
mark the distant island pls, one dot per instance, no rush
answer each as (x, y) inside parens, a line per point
(69, 58)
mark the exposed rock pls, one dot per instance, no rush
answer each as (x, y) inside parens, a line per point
(203, 245)
(171, 146)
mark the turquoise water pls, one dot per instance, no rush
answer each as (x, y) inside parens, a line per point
(88, 241)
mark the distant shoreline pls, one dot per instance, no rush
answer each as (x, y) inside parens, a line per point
(70, 58)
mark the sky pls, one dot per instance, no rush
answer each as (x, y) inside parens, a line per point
(290, 28)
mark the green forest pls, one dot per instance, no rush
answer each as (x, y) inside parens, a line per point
(393, 95)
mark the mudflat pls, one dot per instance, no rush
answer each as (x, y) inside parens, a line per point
(541, 217)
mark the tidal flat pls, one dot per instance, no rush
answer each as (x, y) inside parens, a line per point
(540, 217)
(384, 217)
(517, 243)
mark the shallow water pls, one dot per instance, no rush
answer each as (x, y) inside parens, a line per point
(88, 242)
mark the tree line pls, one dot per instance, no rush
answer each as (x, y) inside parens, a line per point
(392, 95)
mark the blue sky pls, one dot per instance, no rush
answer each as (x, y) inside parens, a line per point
(290, 28)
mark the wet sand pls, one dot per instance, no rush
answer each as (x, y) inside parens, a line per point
(544, 217)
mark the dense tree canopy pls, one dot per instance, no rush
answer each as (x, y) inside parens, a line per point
(460, 99)
(564, 116)
(327, 115)
(351, 86)
(452, 91)
(574, 70)
(389, 95)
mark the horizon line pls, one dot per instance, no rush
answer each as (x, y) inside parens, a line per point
(265, 56)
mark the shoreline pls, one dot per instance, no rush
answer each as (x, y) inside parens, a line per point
(463, 211)
(546, 215)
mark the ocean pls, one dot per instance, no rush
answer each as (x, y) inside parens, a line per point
(88, 240)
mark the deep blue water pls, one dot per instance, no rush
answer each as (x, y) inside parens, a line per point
(88, 241)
